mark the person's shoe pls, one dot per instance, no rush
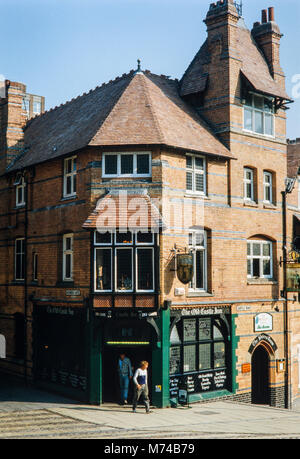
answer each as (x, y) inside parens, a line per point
(134, 410)
(149, 411)
(125, 402)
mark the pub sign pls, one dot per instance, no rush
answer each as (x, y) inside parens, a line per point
(185, 269)
(293, 277)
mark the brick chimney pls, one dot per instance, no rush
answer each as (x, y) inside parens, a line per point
(13, 118)
(221, 21)
(267, 35)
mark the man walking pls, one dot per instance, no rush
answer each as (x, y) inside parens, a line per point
(125, 374)
(140, 380)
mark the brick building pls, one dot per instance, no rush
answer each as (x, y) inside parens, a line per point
(108, 200)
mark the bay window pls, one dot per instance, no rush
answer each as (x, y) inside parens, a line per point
(124, 262)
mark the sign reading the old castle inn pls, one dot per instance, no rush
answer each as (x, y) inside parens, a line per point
(263, 322)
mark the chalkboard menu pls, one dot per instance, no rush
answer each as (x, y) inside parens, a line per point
(199, 382)
(174, 360)
(189, 330)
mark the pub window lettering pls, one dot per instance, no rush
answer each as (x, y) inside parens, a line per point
(198, 344)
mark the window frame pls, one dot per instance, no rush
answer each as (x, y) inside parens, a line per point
(119, 174)
(261, 259)
(263, 112)
(211, 341)
(133, 247)
(22, 259)
(247, 182)
(35, 266)
(194, 247)
(65, 253)
(195, 172)
(101, 247)
(268, 185)
(22, 187)
(72, 175)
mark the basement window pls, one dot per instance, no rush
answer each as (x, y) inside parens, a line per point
(259, 115)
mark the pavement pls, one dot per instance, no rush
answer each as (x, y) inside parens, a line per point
(27, 413)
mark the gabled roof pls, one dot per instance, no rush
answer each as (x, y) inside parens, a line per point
(136, 109)
(254, 67)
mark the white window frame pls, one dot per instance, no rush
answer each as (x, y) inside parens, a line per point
(247, 182)
(26, 105)
(255, 109)
(134, 174)
(268, 185)
(36, 101)
(196, 172)
(136, 268)
(21, 186)
(194, 247)
(68, 252)
(143, 243)
(116, 269)
(102, 244)
(72, 175)
(101, 247)
(22, 255)
(261, 258)
(35, 266)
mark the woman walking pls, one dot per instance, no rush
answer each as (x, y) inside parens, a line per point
(140, 381)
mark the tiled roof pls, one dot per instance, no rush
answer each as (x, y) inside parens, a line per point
(136, 109)
(122, 209)
(254, 67)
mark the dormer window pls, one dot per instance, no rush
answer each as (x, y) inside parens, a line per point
(259, 115)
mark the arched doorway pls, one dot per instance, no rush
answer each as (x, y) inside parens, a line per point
(260, 376)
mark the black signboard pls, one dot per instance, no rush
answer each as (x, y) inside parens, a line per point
(207, 381)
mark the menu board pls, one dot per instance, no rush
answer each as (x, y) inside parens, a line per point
(207, 381)
(189, 330)
(175, 360)
(174, 387)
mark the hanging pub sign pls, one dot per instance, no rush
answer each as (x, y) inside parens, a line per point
(185, 269)
(293, 277)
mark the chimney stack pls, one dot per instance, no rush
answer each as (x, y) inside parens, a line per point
(264, 16)
(267, 35)
(271, 14)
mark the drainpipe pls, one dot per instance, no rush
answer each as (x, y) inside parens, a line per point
(285, 296)
(26, 280)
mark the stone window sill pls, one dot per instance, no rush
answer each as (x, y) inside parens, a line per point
(197, 195)
(269, 206)
(262, 282)
(250, 204)
(199, 294)
(69, 198)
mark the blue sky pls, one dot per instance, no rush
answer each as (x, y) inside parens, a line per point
(62, 48)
